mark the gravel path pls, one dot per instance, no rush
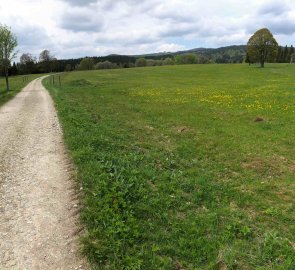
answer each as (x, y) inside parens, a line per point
(38, 202)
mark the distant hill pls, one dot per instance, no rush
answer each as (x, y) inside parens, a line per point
(228, 54)
(199, 50)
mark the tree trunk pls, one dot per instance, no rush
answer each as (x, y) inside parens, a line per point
(262, 64)
(6, 78)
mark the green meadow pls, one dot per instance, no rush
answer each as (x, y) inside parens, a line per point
(184, 167)
(17, 83)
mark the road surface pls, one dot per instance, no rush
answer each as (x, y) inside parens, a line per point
(39, 225)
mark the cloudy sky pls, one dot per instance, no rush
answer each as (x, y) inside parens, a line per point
(77, 28)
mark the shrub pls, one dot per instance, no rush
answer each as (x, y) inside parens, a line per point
(105, 65)
(168, 61)
(140, 62)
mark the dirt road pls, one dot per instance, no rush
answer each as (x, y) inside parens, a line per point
(38, 204)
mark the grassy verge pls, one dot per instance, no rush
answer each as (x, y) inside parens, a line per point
(184, 167)
(17, 83)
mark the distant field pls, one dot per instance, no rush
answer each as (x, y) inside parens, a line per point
(17, 83)
(184, 167)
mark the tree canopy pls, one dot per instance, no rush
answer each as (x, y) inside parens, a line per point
(262, 47)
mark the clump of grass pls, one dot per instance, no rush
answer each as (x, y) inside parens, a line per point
(176, 173)
(80, 83)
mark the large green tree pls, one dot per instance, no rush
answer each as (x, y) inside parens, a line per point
(8, 43)
(262, 47)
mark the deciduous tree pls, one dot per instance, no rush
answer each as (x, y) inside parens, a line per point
(45, 59)
(27, 63)
(86, 63)
(8, 43)
(262, 47)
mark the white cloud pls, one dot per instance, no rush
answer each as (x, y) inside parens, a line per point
(75, 28)
(80, 2)
(81, 20)
(170, 47)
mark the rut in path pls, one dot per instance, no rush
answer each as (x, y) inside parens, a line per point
(38, 203)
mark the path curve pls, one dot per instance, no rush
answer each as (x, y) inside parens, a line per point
(38, 203)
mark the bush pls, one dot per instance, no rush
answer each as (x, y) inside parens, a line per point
(151, 62)
(168, 61)
(105, 65)
(140, 62)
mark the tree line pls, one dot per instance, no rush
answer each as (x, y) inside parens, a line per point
(29, 65)
(261, 47)
(48, 63)
(285, 54)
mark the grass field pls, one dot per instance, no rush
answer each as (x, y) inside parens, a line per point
(184, 167)
(17, 83)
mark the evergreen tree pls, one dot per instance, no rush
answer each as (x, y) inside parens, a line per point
(291, 53)
(286, 54)
(279, 55)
